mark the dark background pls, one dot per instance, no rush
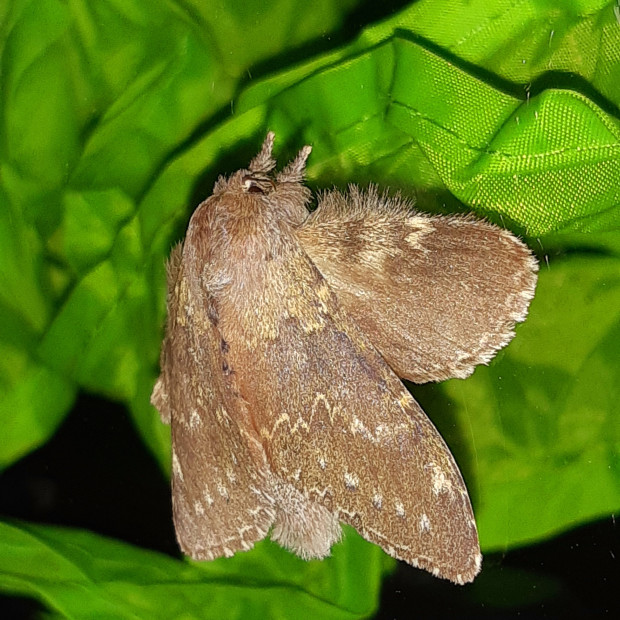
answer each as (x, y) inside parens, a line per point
(95, 473)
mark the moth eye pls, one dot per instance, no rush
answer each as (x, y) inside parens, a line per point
(257, 185)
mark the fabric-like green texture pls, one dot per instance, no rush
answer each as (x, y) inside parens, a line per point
(118, 116)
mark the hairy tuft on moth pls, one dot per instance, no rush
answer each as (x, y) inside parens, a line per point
(285, 334)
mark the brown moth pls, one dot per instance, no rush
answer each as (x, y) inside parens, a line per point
(286, 331)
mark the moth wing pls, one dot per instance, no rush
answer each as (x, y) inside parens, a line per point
(436, 295)
(220, 480)
(339, 426)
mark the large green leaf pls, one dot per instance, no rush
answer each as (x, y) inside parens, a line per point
(92, 576)
(118, 116)
(96, 97)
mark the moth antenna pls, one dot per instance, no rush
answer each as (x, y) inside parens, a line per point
(264, 162)
(294, 171)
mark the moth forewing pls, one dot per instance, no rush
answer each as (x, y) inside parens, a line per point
(220, 480)
(283, 411)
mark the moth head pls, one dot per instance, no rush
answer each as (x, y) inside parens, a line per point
(258, 190)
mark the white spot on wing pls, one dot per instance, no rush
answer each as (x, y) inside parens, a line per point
(377, 500)
(420, 227)
(413, 239)
(425, 524)
(441, 482)
(322, 462)
(382, 432)
(351, 481)
(176, 467)
(222, 490)
(198, 508)
(194, 419)
(400, 509)
(357, 426)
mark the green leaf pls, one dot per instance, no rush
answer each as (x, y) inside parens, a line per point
(96, 98)
(117, 116)
(97, 577)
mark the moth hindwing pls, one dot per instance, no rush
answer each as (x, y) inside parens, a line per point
(278, 366)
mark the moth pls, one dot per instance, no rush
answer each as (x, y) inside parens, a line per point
(286, 333)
